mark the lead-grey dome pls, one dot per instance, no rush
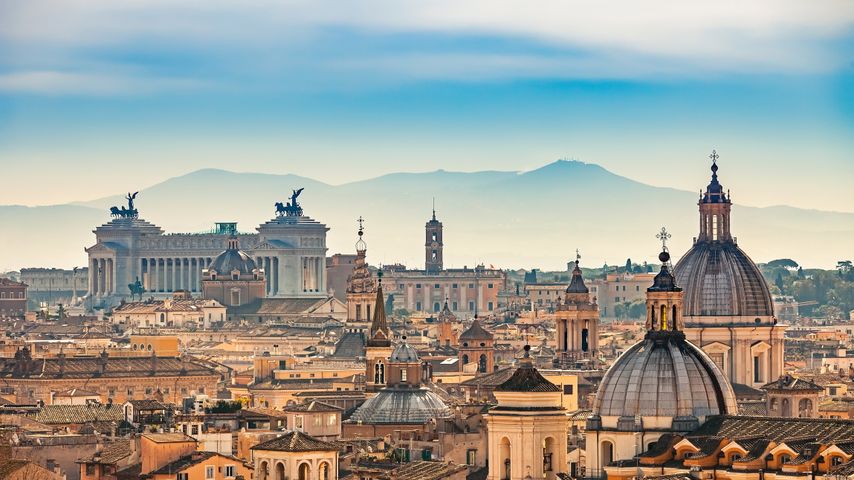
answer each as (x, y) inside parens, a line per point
(404, 353)
(403, 405)
(233, 259)
(719, 279)
(664, 376)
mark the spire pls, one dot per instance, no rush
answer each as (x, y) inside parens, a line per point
(714, 191)
(576, 285)
(380, 335)
(434, 209)
(664, 281)
(361, 246)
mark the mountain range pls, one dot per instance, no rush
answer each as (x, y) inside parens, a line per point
(506, 219)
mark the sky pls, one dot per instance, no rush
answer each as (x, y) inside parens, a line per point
(99, 97)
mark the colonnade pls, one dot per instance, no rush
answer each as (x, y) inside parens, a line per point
(167, 274)
(271, 272)
(313, 272)
(102, 276)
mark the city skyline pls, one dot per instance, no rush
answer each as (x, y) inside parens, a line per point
(341, 95)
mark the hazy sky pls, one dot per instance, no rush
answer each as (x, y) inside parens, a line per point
(99, 97)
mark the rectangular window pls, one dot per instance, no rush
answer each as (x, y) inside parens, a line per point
(489, 306)
(454, 305)
(333, 419)
(229, 470)
(194, 429)
(454, 285)
(437, 286)
(756, 377)
(471, 285)
(471, 456)
(567, 389)
(489, 285)
(209, 473)
(417, 285)
(471, 306)
(318, 421)
(183, 476)
(298, 422)
(417, 306)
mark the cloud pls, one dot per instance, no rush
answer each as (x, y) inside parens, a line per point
(419, 40)
(58, 83)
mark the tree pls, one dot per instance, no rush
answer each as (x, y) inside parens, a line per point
(783, 262)
(628, 265)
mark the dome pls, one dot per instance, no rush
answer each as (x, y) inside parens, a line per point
(719, 279)
(404, 353)
(401, 406)
(664, 376)
(233, 259)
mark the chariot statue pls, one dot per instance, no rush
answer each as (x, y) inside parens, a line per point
(292, 208)
(126, 212)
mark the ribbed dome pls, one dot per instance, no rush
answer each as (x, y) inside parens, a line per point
(404, 353)
(401, 406)
(719, 279)
(664, 376)
(233, 259)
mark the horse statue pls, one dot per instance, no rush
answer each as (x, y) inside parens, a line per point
(115, 212)
(136, 288)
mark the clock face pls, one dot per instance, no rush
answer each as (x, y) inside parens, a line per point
(434, 245)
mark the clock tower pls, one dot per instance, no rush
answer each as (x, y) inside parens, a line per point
(433, 245)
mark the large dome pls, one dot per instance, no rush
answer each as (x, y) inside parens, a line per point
(664, 376)
(719, 279)
(401, 406)
(233, 259)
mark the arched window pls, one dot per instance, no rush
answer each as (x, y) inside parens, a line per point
(481, 367)
(465, 359)
(162, 317)
(504, 455)
(548, 453)
(403, 375)
(280, 471)
(673, 318)
(304, 471)
(382, 372)
(664, 317)
(606, 453)
(584, 340)
(324, 471)
(263, 471)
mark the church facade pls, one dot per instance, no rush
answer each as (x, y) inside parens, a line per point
(290, 249)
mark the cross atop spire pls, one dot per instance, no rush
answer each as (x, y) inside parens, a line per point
(361, 246)
(714, 156)
(361, 226)
(664, 236)
(434, 208)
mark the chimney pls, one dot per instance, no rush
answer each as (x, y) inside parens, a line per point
(153, 362)
(61, 357)
(102, 361)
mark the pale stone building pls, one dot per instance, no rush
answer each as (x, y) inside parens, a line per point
(467, 290)
(290, 249)
(728, 308)
(577, 318)
(527, 430)
(295, 456)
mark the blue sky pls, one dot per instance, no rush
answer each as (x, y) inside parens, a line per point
(98, 97)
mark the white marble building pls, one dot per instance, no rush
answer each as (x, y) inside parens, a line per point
(290, 248)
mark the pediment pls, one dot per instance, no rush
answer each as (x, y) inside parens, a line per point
(716, 347)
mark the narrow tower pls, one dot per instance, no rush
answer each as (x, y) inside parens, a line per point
(433, 245)
(360, 284)
(378, 347)
(577, 320)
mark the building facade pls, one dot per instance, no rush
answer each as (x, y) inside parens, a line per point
(290, 248)
(13, 298)
(467, 290)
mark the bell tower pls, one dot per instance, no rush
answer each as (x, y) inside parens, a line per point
(433, 245)
(577, 320)
(664, 298)
(360, 284)
(378, 347)
(715, 206)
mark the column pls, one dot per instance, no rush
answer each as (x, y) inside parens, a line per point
(102, 275)
(93, 277)
(274, 274)
(161, 283)
(110, 276)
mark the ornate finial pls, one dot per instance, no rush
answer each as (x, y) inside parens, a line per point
(361, 226)
(527, 348)
(664, 236)
(577, 256)
(380, 276)
(714, 156)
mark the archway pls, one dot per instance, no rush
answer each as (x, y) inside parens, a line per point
(805, 407)
(548, 454)
(787, 408)
(304, 471)
(263, 470)
(606, 455)
(280, 471)
(504, 457)
(324, 471)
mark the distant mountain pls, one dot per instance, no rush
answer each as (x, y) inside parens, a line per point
(508, 219)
